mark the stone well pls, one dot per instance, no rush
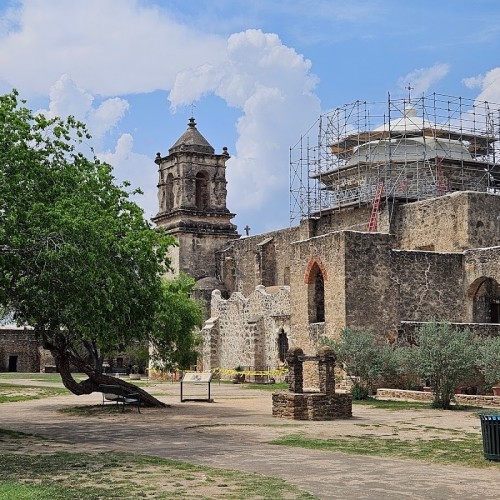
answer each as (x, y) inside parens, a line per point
(323, 405)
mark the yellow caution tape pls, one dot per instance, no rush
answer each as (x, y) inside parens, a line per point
(225, 371)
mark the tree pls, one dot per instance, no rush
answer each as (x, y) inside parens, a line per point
(362, 358)
(489, 360)
(177, 319)
(444, 356)
(78, 261)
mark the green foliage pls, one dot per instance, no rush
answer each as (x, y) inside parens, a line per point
(489, 360)
(363, 359)
(444, 356)
(175, 339)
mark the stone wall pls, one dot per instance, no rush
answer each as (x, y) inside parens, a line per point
(407, 329)
(18, 350)
(450, 223)
(244, 331)
(428, 285)
(370, 295)
(460, 399)
(257, 260)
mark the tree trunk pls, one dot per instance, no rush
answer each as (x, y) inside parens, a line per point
(64, 359)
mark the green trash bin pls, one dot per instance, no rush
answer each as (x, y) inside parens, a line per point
(490, 429)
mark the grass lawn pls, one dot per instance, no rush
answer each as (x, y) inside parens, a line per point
(10, 393)
(69, 474)
(465, 450)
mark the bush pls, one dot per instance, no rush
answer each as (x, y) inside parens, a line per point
(489, 360)
(364, 361)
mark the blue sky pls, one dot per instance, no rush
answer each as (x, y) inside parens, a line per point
(256, 73)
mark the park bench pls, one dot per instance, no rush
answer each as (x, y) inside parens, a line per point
(117, 394)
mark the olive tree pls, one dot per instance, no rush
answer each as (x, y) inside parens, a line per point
(444, 356)
(363, 359)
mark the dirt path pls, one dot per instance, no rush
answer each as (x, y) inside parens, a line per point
(232, 433)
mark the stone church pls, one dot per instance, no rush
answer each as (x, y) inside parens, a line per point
(410, 233)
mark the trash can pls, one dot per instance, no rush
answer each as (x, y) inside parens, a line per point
(490, 429)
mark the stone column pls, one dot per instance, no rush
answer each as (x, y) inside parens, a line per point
(326, 370)
(294, 358)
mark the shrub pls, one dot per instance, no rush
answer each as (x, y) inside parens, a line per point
(444, 356)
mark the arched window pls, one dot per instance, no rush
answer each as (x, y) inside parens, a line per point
(202, 191)
(282, 345)
(169, 192)
(316, 294)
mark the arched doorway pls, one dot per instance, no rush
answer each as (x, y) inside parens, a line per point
(283, 345)
(485, 294)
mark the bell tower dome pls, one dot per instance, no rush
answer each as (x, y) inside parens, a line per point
(192, 202)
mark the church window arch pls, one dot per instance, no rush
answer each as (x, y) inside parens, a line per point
(315, 279)
(169, 192)
(202, 191)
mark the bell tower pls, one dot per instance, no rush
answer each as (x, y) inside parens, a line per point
(192, 202)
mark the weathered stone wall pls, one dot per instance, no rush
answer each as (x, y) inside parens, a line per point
(407, 329)
(328, 251)
(461, 399)
(18, 346)
(257, 260)
(244, 331)
(370, 298)
(429, 285)
(450, 223)
(353, 219)
(480, 265)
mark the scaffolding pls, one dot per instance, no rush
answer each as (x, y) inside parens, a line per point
(415, 148)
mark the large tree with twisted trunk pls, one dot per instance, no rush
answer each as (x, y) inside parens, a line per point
(78, 261)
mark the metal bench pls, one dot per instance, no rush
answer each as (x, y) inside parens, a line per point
(117, 394)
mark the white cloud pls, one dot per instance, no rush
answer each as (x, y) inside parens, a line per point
(67, 98)
(422, 79)
(130, 166)
(117, 47)
(109, 47)
(473, 82)
(490, 86)
(273, 86)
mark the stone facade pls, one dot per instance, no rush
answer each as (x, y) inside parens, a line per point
(19, 351)
(434, 259)
(366, 279)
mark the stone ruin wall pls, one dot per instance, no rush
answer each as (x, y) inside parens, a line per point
(244, 331)
(257, 260)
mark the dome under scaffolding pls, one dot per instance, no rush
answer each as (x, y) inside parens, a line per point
(404, 150)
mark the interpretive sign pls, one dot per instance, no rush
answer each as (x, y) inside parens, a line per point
(197, 378)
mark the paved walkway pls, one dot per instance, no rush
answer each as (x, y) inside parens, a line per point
(232, 433)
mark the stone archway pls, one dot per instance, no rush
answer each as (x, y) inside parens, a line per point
(484, 295)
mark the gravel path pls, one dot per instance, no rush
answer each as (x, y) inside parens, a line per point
(232, 433)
